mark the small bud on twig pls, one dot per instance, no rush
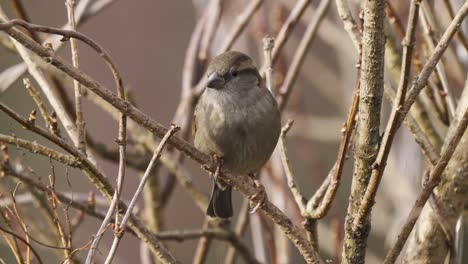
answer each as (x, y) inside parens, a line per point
(32, 117)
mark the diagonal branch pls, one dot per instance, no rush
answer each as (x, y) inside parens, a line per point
(434, 180)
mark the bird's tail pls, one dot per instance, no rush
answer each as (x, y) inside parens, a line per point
(220, 202)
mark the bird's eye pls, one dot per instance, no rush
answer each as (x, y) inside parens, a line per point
(234, 72)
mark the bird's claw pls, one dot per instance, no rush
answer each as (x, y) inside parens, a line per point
(260, 193)
(219, 165)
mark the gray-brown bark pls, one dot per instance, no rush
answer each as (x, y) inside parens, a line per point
(367, 141)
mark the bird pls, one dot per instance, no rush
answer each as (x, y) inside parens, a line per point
(237, 122)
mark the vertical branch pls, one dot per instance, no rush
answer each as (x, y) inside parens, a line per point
(287, 27)
(34, 93)
(203, 245)
(460, 34)
(241, 225)
(445, 92)
(241, 22)
(318, 206)
(431, 63)
(70, 4)
(214, 10)
(22, 14)
(298, 197)
(380, 163)
(419, 110)
(370, 101)
(21, 222)
(3, 230)
(299, 55)
(61, 231)
(348, 22)
(281, 246)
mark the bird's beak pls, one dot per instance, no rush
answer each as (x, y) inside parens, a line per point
(215, 81)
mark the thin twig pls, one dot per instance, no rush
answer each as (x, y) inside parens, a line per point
(66, 214)
(445, 93)
(9, 27)
(119, 232)
(23, 15)
(241, 225)
(298, 197)
(434, 179)
(82, 14)
(431, 63)
(24, 241)
(34, 93)
(268, 44)
(204, 243)
(314, 210)
(6, 214)
(288, 27)
(56, 217)
(239, 25)
(419, 111)
(214, 11)
(398, 27)
(86, 207)
(279, 251)
(70, 4)
(13, 247)
(299, 55)
(349, 23)
(460, 34)
(430, 93)
(21, 222)
(419, 136)
(37, 148)
(183, 115)
(216, 233)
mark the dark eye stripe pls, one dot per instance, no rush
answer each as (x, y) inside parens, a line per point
(242, 71)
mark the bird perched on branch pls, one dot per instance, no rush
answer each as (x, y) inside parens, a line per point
(237, 122)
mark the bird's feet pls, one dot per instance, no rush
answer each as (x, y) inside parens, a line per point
(260, 195)
(219, 165)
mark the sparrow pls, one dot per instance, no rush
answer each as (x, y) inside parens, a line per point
(237, 122)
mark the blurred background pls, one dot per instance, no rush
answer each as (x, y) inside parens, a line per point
(148, 41)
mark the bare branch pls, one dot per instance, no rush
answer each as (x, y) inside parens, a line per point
(389, 134)
(368, 127)
(119, 232)
(434, 180)
(299, 56)
(348, 21)
(70, 4)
